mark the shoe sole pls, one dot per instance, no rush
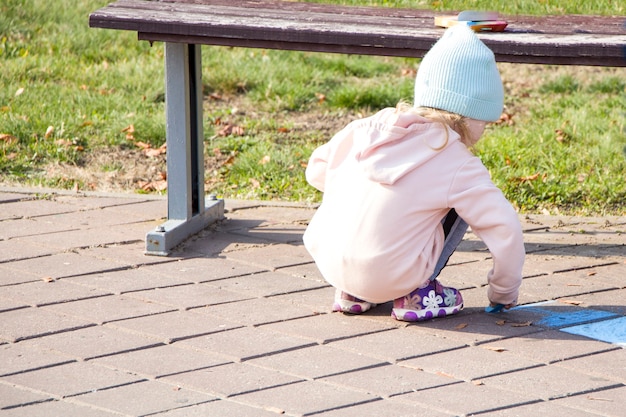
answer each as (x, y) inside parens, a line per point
(423, 315)
(351, 307)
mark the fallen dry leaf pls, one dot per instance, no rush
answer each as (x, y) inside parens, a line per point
(496, 349)
(589, 397)
(48, 279)
(525, 324)
(445, 374)
(572, 302)
(501, 322)
(49, 132)
(265, 160)
(7, 138)
(461, 326)
(19, 91)
(477, 383)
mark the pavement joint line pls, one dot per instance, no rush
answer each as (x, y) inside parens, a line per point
(589, 391)
(507, 407)
(585, 355)
(276, 352)
(356, 403)
(239, 394)
(120, 352)
(67, 330)
(39, 368)
(582, 268)
(362, 368)
(85, 298)
(124, 384)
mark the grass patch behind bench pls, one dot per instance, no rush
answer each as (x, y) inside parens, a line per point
(84, 108)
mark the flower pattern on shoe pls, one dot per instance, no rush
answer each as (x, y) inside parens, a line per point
(449, 296)
(413, 302)
(432, 300)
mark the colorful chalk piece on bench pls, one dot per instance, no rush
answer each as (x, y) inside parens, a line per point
(479, 21)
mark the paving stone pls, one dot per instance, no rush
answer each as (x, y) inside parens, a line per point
(279, 232)
(189, 296)
(148, 397)
(71, 379)
(126, 253)
(320, 299)
(202, 269)
(397, 344)
(611, 365)
(541, 408)
(549, 382)
(552, 346)
(389, 380)
(478, 327)
(606, 300)
(566, 284)
(77, 238)
(258, 311)
(219, 408)
(27, 323)
(32, 228)
(44, 292)
(316, 361)
(59, 265)
(231, 379)
(386, 407)
(109, 308)
(246, 343)
(215, 243)
(610, 402)
(304, 398)
(14, 249)
(273, 256)
(307, 270)
(12, 396)
(267, 284)
(7, 304)
(18, 357)
(91, 342)
(612, 330)
(554, 315)
(176, 325)
(10, 197)
(470, 363)
(123, 281)
(162, 360)
(324, 328)
(466, 398)
(270, 211)
(65, 408)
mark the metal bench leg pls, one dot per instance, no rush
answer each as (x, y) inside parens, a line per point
(187, 210)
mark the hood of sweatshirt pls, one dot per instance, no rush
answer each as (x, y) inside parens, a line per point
(391, 144)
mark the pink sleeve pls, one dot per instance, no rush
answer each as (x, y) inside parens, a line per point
(492, 218)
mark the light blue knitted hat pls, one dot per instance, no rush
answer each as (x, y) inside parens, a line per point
(459, 75)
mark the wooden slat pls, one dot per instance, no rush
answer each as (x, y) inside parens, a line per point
(578, 40)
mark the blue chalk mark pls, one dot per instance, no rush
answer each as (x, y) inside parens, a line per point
(570, 318)
(611, 331)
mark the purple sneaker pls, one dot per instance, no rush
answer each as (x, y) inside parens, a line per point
(349, 304)
(426, 303)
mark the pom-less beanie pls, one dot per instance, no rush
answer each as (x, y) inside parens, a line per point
(459, 75)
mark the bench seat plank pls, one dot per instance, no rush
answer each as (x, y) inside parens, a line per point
(575, 40)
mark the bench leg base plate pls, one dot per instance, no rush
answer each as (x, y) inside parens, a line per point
(159, 242)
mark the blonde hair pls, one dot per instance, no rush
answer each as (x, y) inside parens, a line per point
(454, 121)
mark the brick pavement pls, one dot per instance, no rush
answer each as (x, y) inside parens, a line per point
(236, 321)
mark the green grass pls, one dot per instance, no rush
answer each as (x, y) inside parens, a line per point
(69, 93)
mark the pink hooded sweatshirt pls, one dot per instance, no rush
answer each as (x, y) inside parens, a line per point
(388, 180)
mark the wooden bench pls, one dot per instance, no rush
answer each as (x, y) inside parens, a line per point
(184, 25)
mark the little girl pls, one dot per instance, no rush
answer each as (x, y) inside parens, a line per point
(401, 187)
